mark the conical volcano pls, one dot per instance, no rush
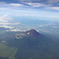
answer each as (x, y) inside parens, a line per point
(33, 33)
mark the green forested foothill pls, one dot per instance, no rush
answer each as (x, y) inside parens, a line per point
(6, 51)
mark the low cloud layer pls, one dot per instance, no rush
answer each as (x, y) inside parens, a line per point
(5, 21)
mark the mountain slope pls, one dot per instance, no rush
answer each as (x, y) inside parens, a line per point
(32, 45)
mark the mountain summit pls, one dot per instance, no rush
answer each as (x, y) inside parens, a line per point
(33, 33)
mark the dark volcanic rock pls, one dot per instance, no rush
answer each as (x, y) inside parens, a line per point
(33, 33)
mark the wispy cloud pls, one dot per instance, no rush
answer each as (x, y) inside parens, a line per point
(5, 21)
(15, 4)
(54, 8)
(38, 4)
(5, 18)
(9, 23)
(30, 4)
(3, 4)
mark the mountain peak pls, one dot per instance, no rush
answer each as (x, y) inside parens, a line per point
(33, 33)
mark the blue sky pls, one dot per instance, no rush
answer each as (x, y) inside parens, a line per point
(13, 11)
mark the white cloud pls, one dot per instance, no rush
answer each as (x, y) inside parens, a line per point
(16, 29)
(16, 4)
(46, 6)
(41, 25)
(37, 4)
(54, 8)
(32, 4)
(5, 26)
(5, 21)
(4, 18)
(3, 4)
(9, 23)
